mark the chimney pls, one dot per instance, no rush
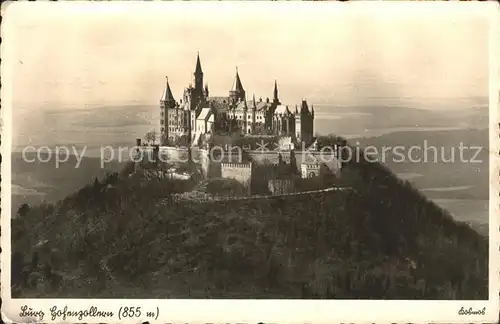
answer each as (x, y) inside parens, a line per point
(138, 141)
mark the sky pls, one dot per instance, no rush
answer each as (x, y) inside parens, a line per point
(73, 55)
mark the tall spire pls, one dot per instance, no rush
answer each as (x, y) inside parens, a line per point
(198, 65)
(275, 91)
(198, 78)
(167, 93)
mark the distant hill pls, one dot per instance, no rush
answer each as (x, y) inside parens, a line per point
(370, 121)
(36, 182)
(123, 237)
(445, 168)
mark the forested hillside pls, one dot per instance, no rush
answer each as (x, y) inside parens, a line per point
(124, 237)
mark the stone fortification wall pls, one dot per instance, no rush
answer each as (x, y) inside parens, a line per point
(281, 186)
(272, 157)
(241, 172)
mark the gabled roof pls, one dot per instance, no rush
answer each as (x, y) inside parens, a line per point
(243, 104)
(282, 109)
(262, 105)
(219, 104)
(205, 114)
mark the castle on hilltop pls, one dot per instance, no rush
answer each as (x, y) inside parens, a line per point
(198, 113)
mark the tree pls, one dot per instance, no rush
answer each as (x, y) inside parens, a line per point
(150, 137)
(164, 140)
(128, 169)
(96, 183)
(23, 210)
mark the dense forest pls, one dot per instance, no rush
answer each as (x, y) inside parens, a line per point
(124, 237)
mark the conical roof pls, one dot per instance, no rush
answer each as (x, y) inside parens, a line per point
(167, 93)
(237, 86)
(198, 65)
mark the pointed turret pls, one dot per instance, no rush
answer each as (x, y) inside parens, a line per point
(237, 86)
(237, 92)
(296, 109)
(312, 110)
(254, 103)
(167, 96)
(275, 96)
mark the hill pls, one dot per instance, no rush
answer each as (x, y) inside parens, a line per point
(124, 237)
(36, 182)
(355, 121)
(442, 165)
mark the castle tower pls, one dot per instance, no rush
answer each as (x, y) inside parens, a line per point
(304, 123)
(237, 92)
(167, 102)
(167, 99)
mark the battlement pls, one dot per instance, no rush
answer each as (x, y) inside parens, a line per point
(237, 165)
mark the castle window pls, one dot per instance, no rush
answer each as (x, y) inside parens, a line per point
(162, 122)
(163, 129)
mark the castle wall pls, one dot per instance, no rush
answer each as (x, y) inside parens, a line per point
(211, 162)
(241, 172)
(281, 187)
(174, 154)
(272, 157)
(310, 170)
(209, 168)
